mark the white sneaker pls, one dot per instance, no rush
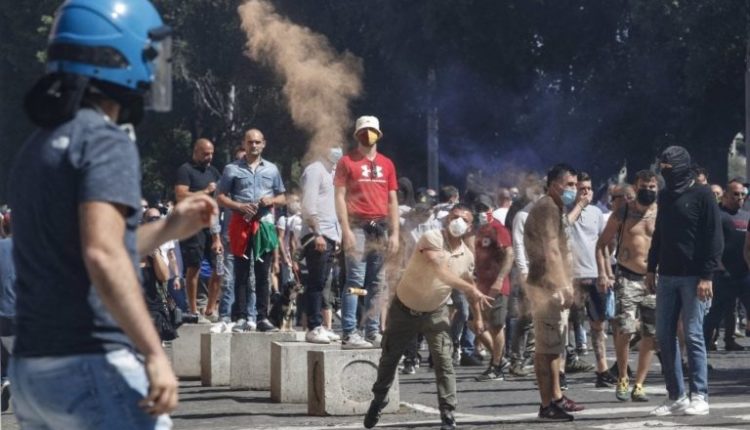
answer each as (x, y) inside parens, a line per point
(375, 339)
(333, 337)
(698, 405)
(672, 407)
(218, 327)
(355, 341)
(317, 335)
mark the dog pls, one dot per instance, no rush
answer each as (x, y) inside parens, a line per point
(284, 306)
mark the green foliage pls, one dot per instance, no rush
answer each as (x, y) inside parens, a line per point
(525, 82)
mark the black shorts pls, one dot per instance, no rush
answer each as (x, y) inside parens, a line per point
(196, 248)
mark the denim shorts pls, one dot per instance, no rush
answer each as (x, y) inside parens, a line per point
(92, 391)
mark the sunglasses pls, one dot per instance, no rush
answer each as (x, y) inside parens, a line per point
(739, 194)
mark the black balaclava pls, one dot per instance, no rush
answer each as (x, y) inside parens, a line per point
(679, 177)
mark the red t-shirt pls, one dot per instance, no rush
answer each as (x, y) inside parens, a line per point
(490, 241)
(367, 184)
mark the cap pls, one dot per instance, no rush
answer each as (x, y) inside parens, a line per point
(367, 122)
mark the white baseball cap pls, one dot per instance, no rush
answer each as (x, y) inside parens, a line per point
(367, 122)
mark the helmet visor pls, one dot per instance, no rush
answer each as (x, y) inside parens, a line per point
(159, 96)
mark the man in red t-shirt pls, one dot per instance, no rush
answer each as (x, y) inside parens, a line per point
(367, 207)
(493, 259)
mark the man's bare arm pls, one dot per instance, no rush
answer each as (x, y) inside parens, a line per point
(602, 246)
(181, 192)
(506, 264)
(187, 218)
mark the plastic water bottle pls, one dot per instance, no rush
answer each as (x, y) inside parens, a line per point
(219, 264)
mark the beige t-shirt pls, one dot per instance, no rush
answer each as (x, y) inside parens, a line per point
(420, 289)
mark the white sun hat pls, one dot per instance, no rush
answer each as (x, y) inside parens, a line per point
(367, 121)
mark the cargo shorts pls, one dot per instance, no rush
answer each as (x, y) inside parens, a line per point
(633, 303)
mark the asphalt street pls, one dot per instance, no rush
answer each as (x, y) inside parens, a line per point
(509, 404)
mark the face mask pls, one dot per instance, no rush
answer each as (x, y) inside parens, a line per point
(335, 154)
(369, 137)
(646, 197)
(568, 197)
(458, 227)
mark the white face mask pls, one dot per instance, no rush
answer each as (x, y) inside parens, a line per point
(458, 227)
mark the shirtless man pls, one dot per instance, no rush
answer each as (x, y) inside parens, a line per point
(634, 224)
(550, 289)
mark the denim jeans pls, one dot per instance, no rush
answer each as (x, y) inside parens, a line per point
(461, 334)
(318, 269)
(227, 286)
(78, 392)
(364, 269)
(675, 296)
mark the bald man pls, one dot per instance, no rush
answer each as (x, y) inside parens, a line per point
(197, 177)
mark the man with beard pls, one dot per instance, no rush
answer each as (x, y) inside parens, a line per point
(633, 226)
(440, 263)
(550, 290)
(732, 281)
(198, 177)
(686, 249)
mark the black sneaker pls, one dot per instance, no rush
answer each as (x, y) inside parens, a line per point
(266, 326)
(447, 420)
(563, 382)
(408, 369)
(493, 373)
(373, 412)
(5, 395)
(554, 413)
(470, 360)
(605, 380)
(616, 373)
(732, 345)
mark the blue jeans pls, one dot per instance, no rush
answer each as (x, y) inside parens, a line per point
(364, 269)
(461, 334)
(675, 294)
(227, 287)
(78, 392)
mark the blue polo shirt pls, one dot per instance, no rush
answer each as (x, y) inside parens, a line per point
(58, 312)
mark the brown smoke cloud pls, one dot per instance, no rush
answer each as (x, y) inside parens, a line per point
(319, 82)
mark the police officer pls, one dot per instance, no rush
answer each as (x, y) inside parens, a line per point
(87, 354)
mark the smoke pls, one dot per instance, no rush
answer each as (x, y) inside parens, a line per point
(319, 83)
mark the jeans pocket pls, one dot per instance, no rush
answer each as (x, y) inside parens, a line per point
(69, 391)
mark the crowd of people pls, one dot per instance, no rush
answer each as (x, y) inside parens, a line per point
(497, 276)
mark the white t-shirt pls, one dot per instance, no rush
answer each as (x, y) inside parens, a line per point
(500, 214)
(419, 288)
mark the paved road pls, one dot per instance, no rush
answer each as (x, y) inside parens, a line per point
(510, 404)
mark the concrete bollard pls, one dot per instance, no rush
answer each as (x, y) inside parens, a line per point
(250, 362)
(289, 370)
(186, 350)
(340, 382)
(215, 355)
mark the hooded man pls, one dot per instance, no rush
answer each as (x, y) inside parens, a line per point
(686, 249)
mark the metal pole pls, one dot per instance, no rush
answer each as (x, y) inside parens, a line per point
(433, 154)
(747, 109)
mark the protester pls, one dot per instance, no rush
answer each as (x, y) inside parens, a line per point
(632, 227)
(321, 234)
(84, 335)
(732, 281)
(367, 208)
(250, 187)
(550, 290)
(199, 177)
(440, 263)
(7, 307)
(686, 249)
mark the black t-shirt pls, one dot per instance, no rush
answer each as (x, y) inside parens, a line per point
(86, 159)
(734, 227)
(197, 177)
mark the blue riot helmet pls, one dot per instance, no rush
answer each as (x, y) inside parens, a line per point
(118, 48)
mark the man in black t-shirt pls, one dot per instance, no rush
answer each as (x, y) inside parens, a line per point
(199, 177)
(732, 281)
